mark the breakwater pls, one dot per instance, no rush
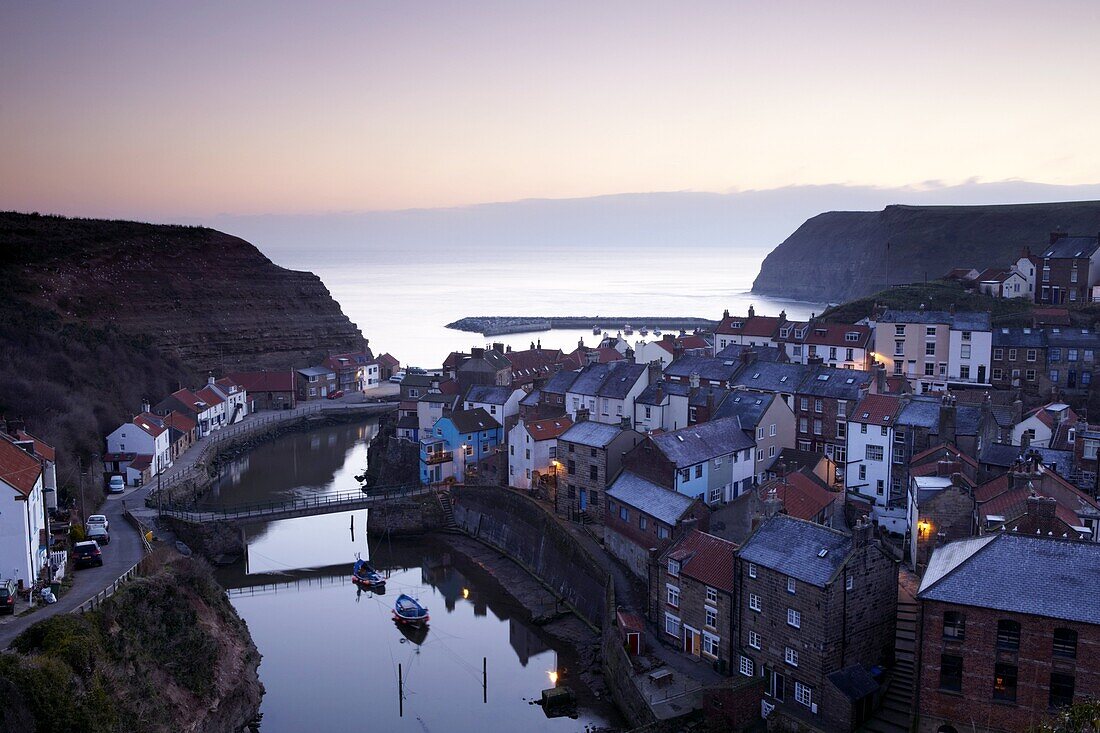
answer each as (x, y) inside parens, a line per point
(500, 325)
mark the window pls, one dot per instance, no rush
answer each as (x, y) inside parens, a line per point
(1030, 375)
(754, 640)
(999, 373)
(771, 430)
(752, 570)
(1008, 634)
(794, 618)
(754, 601)
(672, 625)
(571, 466)
(1032, 354)
(804, 403)
(699, 471)
(790, 656)
(1061, 689)
(966, 335)
(1012, 354)
(746, 666)
(951, 672)
(791, 585)
(964, 371)
(1055, 354)
(715, 495)
(1071, 354)
(803, 425)
(863, 428)
(930, 348)
(594, 473)
(1004, 682)
(930, 369)
(647, 412)
(1086, 378)
(1065, 643)
(672, 595)
(642, 522)
(879, 487)
(760, 432)
(624, 514)
(954, 625)
(862, 472)
(817, 427)
(662, 532)
(848, 583)
(998, 354)
(592, 452)
(873, 453)
(685, 474)
(712, 595)
(899, 330)
(673, 567)
(711, 617)
(803, 694)
(819, 406)
(1054, 375)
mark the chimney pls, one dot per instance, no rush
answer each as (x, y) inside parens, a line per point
(1056, 235)
(582, 415)
(710, 404)
(862, 532)
(509, 349)
(1026, 252)
(748, 356)
(880, 377)
(532, 346)
(629, 354)
(669, 336)
(539, 345)
(580, 343)
(209, 378)
(654, 369)
(726, 313)
(782, 316)
(677, 349)
(947, 420)
(693, 380)
(815, 360)
(477, 353)
(1025, 442)
(772, 505)
(498, 347)
(145, 406)
(1041, 507)
(626, 424)
(752, 312)
(660, 390)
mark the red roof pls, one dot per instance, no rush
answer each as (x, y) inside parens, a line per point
(993, 274)
(151, 424)
(142, 462)
(876, 409)
(750, 325)
(179, 421)
(1051, 316)
(43, 449)
(189, 398)
(802, 496)
(18, 469)
(1046, 417)
(281, 381)
(209, 396)
(669, 343)
(449, 386)
(531, 363)
(389, 361)
(945, 451)
(1012, 505)
(549, 428)
(706, 558)
(579, 357)
(454, 359)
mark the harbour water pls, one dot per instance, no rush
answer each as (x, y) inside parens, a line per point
(332, 654)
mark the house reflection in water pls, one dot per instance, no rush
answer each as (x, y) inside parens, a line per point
(524, 641)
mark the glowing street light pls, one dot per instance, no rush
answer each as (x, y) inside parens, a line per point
(553, 675)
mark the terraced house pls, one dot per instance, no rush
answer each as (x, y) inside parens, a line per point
(592, 455)
(936, 349)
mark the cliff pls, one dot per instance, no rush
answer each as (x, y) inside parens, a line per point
(165, 653)
(97, 315)
(841, 255)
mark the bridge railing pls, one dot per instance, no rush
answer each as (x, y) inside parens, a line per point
(320, 501)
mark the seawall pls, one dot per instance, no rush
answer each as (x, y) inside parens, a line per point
(500, 325)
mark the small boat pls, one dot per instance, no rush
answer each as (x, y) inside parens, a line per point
(415, 633)
(364, 574)
(407, 610)
(627, 329)
(644, 331)
(596, 331)
(656, 332)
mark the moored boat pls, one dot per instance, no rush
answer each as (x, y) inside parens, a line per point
(407, 610)
(628, 329)
(596, 331)
(363, 573)
(644, 331)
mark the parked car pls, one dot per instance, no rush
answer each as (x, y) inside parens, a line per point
(397, 377)
(95, 519)
(98, 533)
(86, 554)
(416, 370)
(116, 485)
(7, 596)
(336, 395)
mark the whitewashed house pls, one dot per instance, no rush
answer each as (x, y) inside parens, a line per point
(532, 449)
(23, 528)
(500, 401)
(234, 396)
(607, 391)
(870, 448)
(1042, 424)
(662, 406)
(145, 435)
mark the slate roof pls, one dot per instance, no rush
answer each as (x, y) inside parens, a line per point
(844, 384)
(531, 399)
(772, 377)
(762, 353)
(961, 321)
(855, 682)
(492, 395)
(747, 407)
(706, 395)
(1071, 246)
(793, 547)
(317, 371)
(1026, 338)
(472, 421)
(590, 378)
(697, 443)
(592, 434)
(648, 396)
(620, 380)
(18, 468)
(707, 367)
(417, 380)
(1004, 455)
(439, 398)
(1037, 576)
(710, 560)
(1069, 338)
(646, 496)
(560, 383)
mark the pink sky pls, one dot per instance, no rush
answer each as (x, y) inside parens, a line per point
(155, 109)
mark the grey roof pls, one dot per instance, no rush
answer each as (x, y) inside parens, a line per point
(646, 496)
(648, 395)
(772, 377)
(747, 407)
(316, 371)
(794, 547)
(1065, 337)
(439, 398)
(532, 398)
(493, 360)
(472, 421)
(1004, 455)
(1028, 338)
(408, 421)
(697, 443)
(1071, 247)
(592, 434)
(621, 380)
(961, 321)
(844, 384)
(702, 396)
(1040, 576)
(924, 412)
(560, 383)
(590, 378)
(855, 682)
(417, 380)
(707, 367)
(492, 395)
(762, 353)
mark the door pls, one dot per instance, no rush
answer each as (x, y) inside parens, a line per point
(775, 689)
(584, 500)
(981, 373)
(691, 641)
(633, 643)
(1071, 379)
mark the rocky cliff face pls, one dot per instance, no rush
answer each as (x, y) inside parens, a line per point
(210, 299)
(842, 255)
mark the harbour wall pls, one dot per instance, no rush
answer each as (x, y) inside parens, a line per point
(500, 325)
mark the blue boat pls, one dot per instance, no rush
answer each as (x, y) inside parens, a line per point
(407, 610)
(363, 573)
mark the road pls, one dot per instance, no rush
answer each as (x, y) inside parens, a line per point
(125, 549)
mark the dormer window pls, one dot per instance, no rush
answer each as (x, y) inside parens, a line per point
(673, 567)
(851, 336)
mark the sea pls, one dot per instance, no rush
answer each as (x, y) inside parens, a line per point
(403, 300)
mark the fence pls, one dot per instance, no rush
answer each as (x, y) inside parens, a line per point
(97, 600)
(333, 502)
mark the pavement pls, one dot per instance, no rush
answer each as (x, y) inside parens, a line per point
(125, 548)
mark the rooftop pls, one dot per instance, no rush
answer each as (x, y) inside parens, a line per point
(961, 321)
(592, 434)
(646, 496)
(803, 550)
(710, 560)
(703, 442)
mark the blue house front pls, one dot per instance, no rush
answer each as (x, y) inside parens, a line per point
(465, 437)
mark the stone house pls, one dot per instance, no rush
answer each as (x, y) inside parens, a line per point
(1068, 268)
(1005, 638)
(767, 420)
(592, 455)
(643, 519)
(693, 597)
(1019, 361)
(267, 390)
(940, 509)
(485, 366)
(314, 383)
(816, 610)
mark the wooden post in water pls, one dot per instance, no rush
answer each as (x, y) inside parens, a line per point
(400, 693)
(485, 680)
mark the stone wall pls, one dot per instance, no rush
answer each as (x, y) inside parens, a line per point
(414, 515)
(529, 535)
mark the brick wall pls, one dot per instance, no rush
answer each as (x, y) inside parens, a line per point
(579, 463)
(650, 463)
(691, 612)
(950, 513)
(973, 708)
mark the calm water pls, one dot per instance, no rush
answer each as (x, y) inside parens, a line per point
(403, 303)
(331, 653)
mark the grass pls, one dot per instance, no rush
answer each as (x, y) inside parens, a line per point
(934, 295)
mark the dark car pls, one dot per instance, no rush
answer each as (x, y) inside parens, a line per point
(7, 596)
(336, 395)
(98, 533)
(86, 554)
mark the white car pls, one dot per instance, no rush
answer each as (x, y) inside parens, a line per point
(397, 377)
(116, 485)
(98, 520)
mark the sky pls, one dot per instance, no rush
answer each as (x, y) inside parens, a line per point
(167, 110)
